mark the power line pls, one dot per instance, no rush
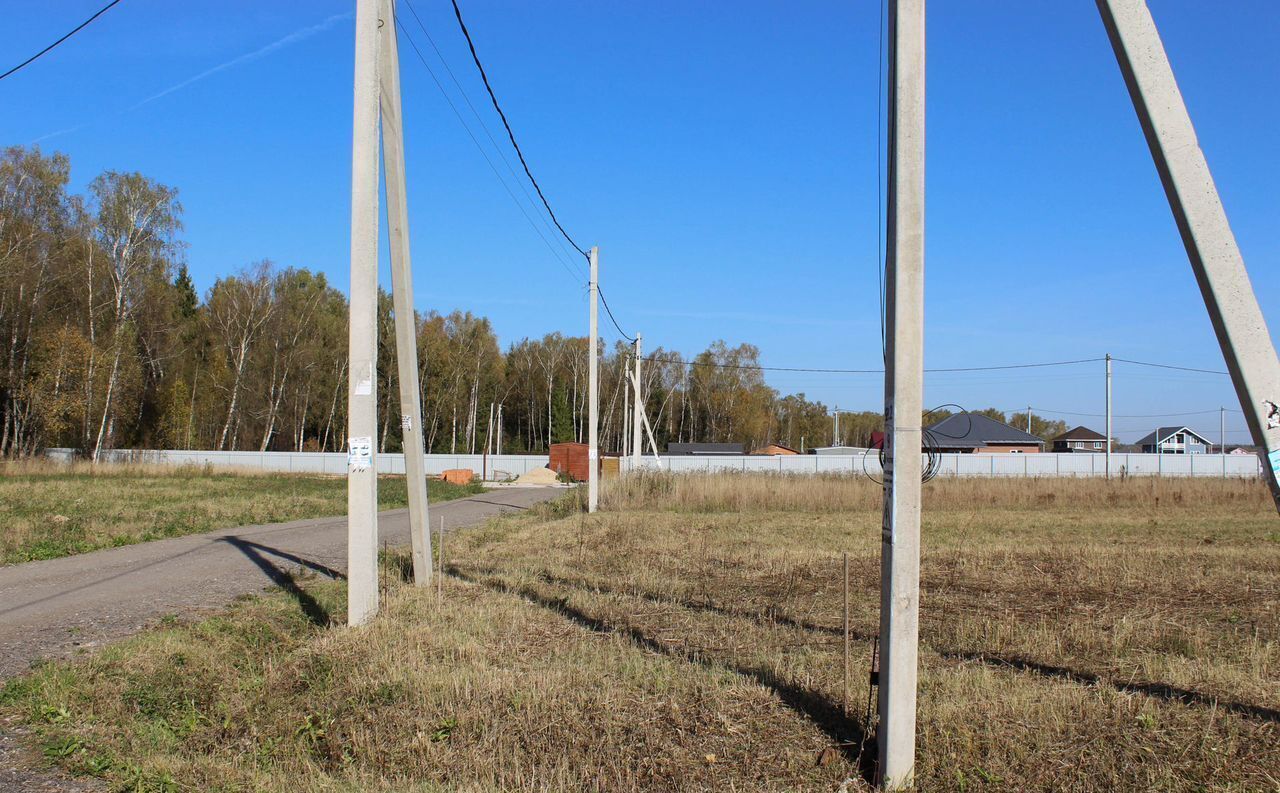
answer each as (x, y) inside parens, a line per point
(1167, 366)
(73, 31)
(457, 12)
(1129, 415)
(656, 359)
(557, 255)
(476, 114)
(609, 311)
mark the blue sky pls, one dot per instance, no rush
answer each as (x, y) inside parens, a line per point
(724, 158)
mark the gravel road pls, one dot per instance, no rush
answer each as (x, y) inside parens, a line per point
(55, 608)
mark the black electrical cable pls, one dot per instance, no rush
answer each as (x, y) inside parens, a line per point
(73, 31)
(562, 258)
(609, 311)
(457, 12)
(1167, 366)
(656, 359)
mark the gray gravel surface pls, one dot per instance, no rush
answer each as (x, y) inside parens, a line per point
(60, 607)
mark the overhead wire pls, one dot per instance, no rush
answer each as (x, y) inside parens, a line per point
(475, 113)
(555, 253)
(66, 36)
(657, 359)
(457, 12)
(1168, 366)
(609, 311)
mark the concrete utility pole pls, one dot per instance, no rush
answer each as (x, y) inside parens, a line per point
(415, 466)
(626, 412)
(904, 386)
(593, 391)
(1202, 221)
(637, 440)
(498, 444)
(1108, 415)
(362, 478)
(1028, 419)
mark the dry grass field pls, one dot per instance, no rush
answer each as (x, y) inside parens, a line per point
(49, 510)
(1077, 635)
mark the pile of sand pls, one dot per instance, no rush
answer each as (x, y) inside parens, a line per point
(538, 476)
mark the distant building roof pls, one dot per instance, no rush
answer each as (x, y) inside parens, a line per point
(1081, 434)
(1150, 439)
(774, 449)
(974, 431)
(837, 450)
(704, 448)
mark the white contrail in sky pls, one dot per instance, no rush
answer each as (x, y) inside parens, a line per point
(262, 52)
(292, 38)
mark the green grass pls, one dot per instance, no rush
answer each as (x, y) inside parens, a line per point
(46, 513)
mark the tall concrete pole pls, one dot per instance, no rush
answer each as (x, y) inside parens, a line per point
(626, 412)
(415, 467)
(362, 479)
(637, 440)
(1108, 415)
(904, 385)
(1028, 419)
(1202, 221)
(593, 389)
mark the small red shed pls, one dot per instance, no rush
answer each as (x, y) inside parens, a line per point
(571, 459)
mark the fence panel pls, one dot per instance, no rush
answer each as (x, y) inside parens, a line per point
(509, 466)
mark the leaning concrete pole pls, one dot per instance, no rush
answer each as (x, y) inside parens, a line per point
(593, 390)
(904, 382)
(637, 440)
(362, 479)
(415, 468)
(1211, 247)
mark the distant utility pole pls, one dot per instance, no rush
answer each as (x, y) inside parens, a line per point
(626, 411)
(377, 98)
(1108, 415)
(1028, 419)
(835, 426)
(904, 386)
(593, 391)
(1215, 258)
(637, 440)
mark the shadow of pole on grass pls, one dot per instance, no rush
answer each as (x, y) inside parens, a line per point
(1158, 690)
(827, 715)
(254, 552)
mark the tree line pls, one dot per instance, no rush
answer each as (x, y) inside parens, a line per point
(107, 344)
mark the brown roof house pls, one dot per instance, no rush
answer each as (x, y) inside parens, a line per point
(1080, 440)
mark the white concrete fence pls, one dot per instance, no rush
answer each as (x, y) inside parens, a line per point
(1220, 465)
(507, 466)
(497, 467)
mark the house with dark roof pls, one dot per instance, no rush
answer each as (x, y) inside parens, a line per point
(1080, 440)
(1174, 440)
(704, 449)
(975, 433)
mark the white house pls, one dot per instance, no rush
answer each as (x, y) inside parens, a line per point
(1175, 440)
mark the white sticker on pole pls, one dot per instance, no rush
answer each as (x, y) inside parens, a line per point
(592, 454)
(364, 386)
(406, 422)
(359, 454)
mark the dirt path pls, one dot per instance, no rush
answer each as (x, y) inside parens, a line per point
(55, 608)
